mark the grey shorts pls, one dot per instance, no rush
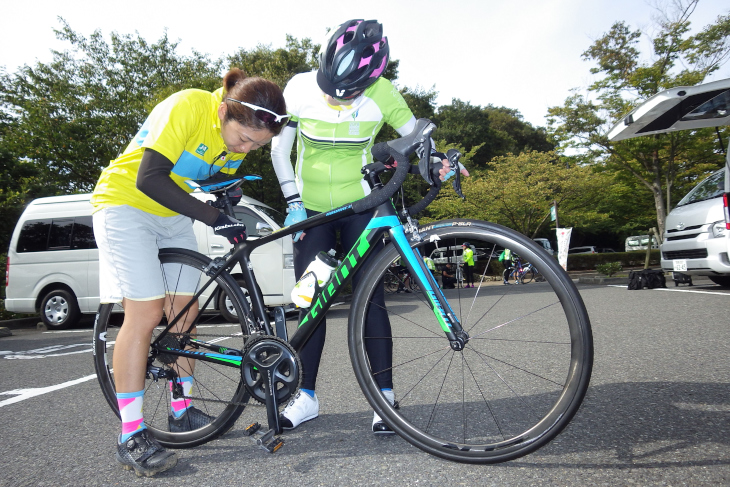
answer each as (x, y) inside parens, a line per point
(129, 240)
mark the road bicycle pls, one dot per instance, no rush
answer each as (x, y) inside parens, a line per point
(529, 273)
(398, 279)
(481, 375)
(514, 274)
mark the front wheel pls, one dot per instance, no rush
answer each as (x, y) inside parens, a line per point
(217, 390)
(520, 377)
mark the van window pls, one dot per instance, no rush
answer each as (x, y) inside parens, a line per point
(712, 187)
(56, 234)
(249, 218)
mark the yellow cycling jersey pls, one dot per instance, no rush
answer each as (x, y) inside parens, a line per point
(184, 128)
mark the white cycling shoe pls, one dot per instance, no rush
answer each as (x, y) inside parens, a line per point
(379, 426)
(300, 409)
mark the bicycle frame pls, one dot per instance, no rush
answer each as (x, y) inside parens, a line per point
(384, 219)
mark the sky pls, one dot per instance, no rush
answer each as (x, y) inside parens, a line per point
(524, 55)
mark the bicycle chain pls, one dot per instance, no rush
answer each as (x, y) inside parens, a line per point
(253, 403)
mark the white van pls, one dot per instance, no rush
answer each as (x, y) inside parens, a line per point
(53, 262)
(696, 240)
(639, 242)
(545, 243)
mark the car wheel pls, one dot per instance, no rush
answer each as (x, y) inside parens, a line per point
(721, 280)
(225, 306)
(59, 309)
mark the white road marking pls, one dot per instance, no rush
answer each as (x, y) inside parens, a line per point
(23, 394)
(676, 290)
(45, 352)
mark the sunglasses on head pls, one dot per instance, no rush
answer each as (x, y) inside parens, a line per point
(263, 114)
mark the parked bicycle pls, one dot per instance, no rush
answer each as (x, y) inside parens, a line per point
(485, 376)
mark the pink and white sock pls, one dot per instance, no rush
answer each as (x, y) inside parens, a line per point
(130, 409)
(180, 404)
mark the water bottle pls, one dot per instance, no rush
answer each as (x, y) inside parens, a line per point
(322, 267)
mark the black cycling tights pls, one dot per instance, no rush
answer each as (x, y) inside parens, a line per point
(324, 237)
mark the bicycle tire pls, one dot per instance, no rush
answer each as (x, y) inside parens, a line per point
(518, 381)
(527, 276)
(217, 390)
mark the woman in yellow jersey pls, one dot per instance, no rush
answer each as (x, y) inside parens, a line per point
(142, 204)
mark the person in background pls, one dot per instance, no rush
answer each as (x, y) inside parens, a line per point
(506, 257)
(448, 279)
(336, 113)
(141, 204)
(430, 265)
(468, 257)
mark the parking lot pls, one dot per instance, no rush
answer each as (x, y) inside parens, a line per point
(657, 412)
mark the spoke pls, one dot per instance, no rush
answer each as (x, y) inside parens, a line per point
(516, 319)
(485, 356)
(516, 395)
(519, 341)
(406, 319)
(486, 402)
(479, 288)
(486, 312)
(435, 404)
(393, 367)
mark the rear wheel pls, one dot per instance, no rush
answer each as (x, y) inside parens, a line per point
(217, 390)
(527, 276)
(520, 377)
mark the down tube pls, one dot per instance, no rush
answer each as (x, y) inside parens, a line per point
(413, 260)
(351, 263)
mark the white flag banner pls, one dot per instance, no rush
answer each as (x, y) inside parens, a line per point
(563, 244)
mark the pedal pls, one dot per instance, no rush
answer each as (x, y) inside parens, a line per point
(265, 440)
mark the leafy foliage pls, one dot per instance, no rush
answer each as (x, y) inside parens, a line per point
(518, 190)
(664, 165)
(609, 268)
(72, 116)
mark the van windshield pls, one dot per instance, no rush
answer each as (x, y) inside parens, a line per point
(712, 187)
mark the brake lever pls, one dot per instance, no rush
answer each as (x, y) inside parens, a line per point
(453, 156)
(424, 161)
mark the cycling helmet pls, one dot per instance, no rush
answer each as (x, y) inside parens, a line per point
(352, 58)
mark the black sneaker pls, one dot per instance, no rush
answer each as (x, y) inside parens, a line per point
(192, 419)
(143, 454)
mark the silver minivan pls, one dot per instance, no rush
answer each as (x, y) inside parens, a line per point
(696, 240)
(53, 262)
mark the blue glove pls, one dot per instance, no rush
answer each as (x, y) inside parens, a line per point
(296, 214)
(452, 172)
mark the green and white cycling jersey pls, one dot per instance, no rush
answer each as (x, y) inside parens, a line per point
(333, 142)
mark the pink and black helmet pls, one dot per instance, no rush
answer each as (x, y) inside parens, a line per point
(354, 57)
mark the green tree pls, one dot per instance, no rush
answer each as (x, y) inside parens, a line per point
(665, 165)
(518, 190)
(488, 131)
(70, 117)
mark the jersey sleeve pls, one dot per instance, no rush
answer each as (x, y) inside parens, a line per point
(392, 104)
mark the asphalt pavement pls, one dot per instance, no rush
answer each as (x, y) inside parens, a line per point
(657, 412)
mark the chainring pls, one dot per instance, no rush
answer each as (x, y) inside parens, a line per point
(270, 353)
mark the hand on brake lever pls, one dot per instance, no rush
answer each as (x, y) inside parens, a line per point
(446, 172)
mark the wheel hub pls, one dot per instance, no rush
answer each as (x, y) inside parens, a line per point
(276, 358)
